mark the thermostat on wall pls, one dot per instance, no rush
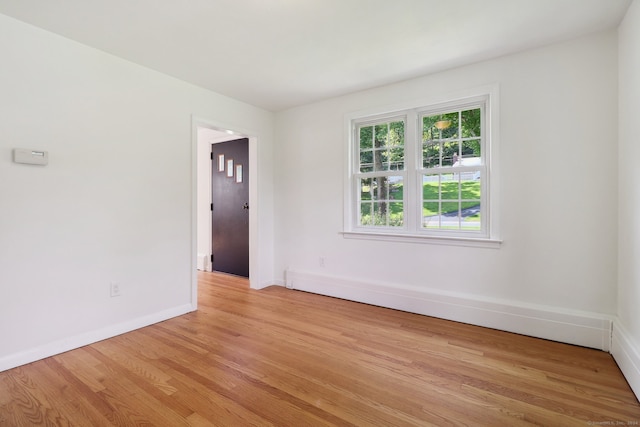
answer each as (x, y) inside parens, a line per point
(30, 157)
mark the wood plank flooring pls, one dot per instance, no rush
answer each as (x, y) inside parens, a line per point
(288, 358)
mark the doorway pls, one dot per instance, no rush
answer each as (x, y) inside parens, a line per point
(230, 207)
(204, 134)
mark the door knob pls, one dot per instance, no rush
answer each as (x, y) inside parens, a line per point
(246, 206)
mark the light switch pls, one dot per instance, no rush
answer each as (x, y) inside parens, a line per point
(30, 157)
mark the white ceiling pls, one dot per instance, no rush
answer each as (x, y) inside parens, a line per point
(278, 54)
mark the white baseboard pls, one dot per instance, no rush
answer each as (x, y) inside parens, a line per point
(626, 352)
(573, 327)
(57, 347)
(203, 263)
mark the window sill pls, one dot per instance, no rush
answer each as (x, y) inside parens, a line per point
(424, 239)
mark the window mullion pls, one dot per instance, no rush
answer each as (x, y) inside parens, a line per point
(410, 172)
(459, 153)
(485, 174)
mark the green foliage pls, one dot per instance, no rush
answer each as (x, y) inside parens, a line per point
(469, 192)
(444, 137)
(449, 190)
(389, 212)
(366, 137)
(447, 137)
(376, 189)
(382, 147)
(393, 217)
(471, 123)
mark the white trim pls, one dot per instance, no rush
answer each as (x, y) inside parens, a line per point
(204, 263)
(51, 349)
(254, 273)
(429, 239)
(568, 326)
(626, 353)
(194, 213)
(439, 100)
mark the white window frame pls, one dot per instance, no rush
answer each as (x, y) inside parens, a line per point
(412, 230)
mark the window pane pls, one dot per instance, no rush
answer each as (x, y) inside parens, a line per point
(396, 159)
(431, 215)
(396, 188)
(381, 160)
(440, 126)
(448, 125)
(450, 153)
(430, 209)
(471, 149)
(471, 123)
(450, 209)
(366, 137)
(365, 189)
(431, 187)
(449, 186)
(396, 214)
(450, 215)
(429, 131)
(388, 214)
(381, 201)
(366, 161)
(381, 132)
(431, 154)
(379, 190)
(471, 217)
(381, 147)
(396, 134)
(470, 200)
(470, 185)
(365, 214)
(451, 201)
(380, 213)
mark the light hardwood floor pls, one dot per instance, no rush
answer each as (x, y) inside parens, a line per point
(289, 358)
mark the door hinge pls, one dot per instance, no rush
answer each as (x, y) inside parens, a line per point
(212, 259)
(212, 155)
(211, 206)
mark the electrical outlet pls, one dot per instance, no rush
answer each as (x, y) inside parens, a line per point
(115, 289)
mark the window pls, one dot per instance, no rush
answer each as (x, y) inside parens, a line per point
(381, 153)
(423, 172)
(452, 169)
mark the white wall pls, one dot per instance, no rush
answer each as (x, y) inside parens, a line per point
(116, 202)
(558, 115)
(627, 330)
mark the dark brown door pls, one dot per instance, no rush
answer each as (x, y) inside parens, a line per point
(230, 197)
